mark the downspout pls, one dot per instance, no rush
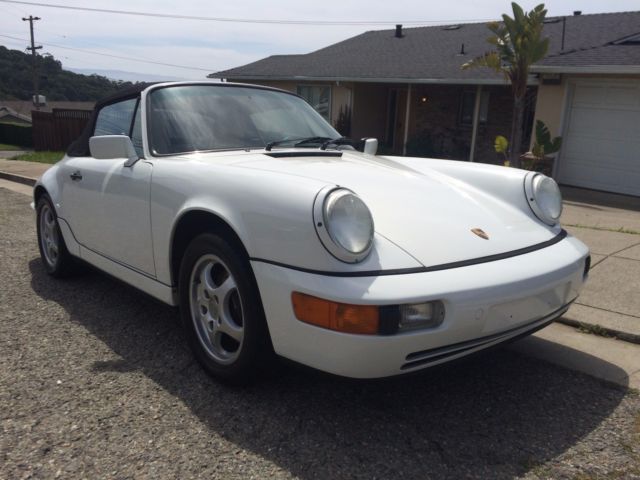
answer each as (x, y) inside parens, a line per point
(474, 127)
(406, 121)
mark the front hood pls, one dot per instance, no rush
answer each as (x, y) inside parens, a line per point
(428, 214)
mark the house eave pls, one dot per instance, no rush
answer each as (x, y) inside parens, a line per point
(589, 69)
(414, 81)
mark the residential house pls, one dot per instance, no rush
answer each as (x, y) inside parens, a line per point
(589, 92)
(406, 87)
(8, 115)
(403, 86)
(22, 108)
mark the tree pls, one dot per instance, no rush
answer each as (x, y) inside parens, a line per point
(55, 82)
(518, 44)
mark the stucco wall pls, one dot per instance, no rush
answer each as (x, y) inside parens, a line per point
(549, 107)
(552, 100)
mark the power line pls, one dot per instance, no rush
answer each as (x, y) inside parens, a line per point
(17, 9)
(121, 57)
(242, 20)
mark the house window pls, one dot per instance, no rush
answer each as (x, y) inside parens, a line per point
(319, 97)
(468, 105)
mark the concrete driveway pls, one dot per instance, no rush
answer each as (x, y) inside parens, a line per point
(610, 226)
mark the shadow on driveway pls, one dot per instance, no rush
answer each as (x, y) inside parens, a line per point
(493, 416)
(598, 199)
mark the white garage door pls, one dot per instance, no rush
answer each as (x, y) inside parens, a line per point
(602, 142)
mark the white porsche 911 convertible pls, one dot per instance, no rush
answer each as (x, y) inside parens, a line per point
(273, 234)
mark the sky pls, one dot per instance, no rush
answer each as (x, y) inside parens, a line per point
(205, 46)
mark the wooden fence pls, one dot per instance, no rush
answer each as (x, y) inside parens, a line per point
(57, 129)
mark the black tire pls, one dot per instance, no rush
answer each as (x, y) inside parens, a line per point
(62, 264)
(199, 317)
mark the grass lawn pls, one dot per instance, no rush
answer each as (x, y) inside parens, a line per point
(41, 157)
(5, 147)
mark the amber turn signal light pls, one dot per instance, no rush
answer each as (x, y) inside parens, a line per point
(342, 317)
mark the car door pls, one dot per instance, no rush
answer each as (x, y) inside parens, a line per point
(107, 203)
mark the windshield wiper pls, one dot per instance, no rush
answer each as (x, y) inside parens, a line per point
(336, 141)
(299, 141)
(312, 140)
(270, 145)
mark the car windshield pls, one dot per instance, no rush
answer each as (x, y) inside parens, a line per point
(188, 118)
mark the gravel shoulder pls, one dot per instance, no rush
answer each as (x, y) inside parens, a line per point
(96, 382)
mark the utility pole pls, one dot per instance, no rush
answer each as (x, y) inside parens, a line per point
(34, 56)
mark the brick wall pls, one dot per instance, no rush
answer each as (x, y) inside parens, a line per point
(434, 122)
(438, 120)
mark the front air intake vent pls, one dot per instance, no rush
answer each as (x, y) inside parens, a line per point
(298, 153)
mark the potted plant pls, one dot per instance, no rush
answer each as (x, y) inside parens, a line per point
(501, 146)
(541, 156)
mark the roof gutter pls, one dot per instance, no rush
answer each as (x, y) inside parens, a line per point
(436, 81)
(589, 69)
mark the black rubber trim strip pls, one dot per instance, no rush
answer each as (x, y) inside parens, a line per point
(405, 271)
(480, 342)
(389, 322)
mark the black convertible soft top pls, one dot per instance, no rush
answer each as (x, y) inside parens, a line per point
(80, 147)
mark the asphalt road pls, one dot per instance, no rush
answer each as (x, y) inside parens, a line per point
(95, 382)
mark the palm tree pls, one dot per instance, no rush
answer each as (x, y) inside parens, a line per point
(518, 44)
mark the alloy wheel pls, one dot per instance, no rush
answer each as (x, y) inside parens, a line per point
(216, 309)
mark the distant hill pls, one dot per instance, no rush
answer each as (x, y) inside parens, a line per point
(57, 84)
(126, 76)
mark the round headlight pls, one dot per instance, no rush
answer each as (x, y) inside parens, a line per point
(344, 224)
(544, 197)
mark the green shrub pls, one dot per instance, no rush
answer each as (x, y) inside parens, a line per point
(12, 134)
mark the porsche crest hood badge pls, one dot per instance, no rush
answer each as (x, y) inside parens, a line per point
(481, 233)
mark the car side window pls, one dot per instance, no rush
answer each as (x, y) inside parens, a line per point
(136, 132)
(115, 119)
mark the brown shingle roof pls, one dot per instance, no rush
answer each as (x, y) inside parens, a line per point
(433, 53)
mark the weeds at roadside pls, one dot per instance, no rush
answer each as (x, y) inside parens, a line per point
(594, 330)
(40, 157)
(605, 229)
(8, 148)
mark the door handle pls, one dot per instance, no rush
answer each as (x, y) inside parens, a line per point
(76, 175)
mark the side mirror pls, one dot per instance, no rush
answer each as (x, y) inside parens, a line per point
(110, 147)
(370, 146)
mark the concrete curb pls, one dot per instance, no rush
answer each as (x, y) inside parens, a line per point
(597, 329)
(18, 178)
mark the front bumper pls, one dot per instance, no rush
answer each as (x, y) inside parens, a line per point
(485, 304)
